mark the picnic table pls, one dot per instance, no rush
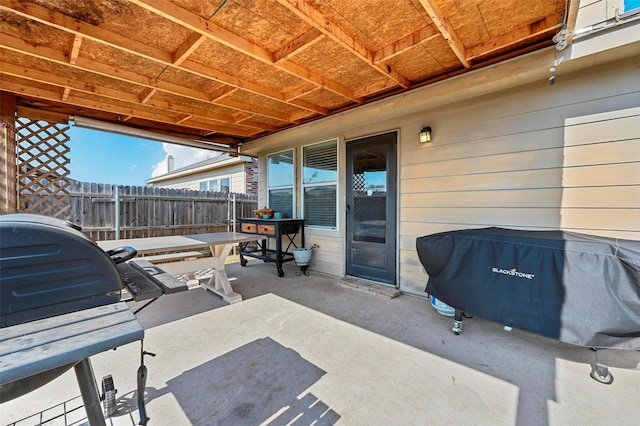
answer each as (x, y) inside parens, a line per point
(219, 244)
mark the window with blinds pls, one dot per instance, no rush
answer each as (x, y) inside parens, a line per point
(280, 178)
(320, 184)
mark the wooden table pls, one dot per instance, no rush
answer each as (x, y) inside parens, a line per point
(219, 243)
(276, 229)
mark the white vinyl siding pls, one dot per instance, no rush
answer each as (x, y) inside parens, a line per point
(540, 157)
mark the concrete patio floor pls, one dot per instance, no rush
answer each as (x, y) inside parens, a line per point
(304, 350)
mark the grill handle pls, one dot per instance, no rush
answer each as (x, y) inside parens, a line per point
(122, 254)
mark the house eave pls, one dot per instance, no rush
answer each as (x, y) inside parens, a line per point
(197, 170)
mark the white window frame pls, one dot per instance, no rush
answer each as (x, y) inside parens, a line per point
(293, 180)
(335, 183)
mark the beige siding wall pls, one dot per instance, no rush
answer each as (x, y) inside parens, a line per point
(537, 156)
(235, 173)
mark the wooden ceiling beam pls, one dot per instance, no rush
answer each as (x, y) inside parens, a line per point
(223, 129)
(318, 80)
(62, 22)
(222, 92)
(195, 23)
(187, 48)
(265, 112)
(91, 88)
(303, 90)
(52, 55)
(63, 82)
(67, 85)
(297, 45)
(54, 95)
(408, 42)
(77, 27)
(75, 49)
(446, 29)
(250, 122)
(39, 114)
(316, 19)
(572, 17)
(373, 89)
(545, 25)
(302, 103)
(147, 94)
(65, 94)
(183, 119)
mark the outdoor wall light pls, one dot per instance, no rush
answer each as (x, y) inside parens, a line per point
(425, 134)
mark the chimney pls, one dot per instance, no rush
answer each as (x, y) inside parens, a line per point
(169, 163)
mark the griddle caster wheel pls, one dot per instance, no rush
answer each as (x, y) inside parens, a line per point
(109, 396)
(601, 375)
(243, 262)
(457, 327)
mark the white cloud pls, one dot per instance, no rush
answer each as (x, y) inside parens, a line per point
(182, 156)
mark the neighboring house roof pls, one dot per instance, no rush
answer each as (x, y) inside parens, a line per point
(217, 162)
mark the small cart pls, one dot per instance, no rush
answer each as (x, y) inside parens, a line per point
(280, 230)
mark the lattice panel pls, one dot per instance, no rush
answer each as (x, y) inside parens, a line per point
(358, 182)
(359, 191)
(43, 167)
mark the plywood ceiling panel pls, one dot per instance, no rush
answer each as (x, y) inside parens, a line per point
(234, 70)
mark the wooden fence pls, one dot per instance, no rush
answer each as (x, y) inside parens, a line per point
(153, 211)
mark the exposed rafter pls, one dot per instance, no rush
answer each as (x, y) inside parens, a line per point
(446, 29)
(313, 17)
(108, 38)
(205, 28)
(244, 69)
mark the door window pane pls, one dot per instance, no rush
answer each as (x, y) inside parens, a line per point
(370, 196)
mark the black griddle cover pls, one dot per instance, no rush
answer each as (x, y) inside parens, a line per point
(577, 288)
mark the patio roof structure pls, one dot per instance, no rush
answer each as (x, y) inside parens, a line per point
(220, 73)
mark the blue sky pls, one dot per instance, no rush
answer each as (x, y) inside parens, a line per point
(102, 157)
(631, 4)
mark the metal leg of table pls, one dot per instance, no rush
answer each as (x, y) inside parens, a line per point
(279, 256)
(89, 392)
(600, 371)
